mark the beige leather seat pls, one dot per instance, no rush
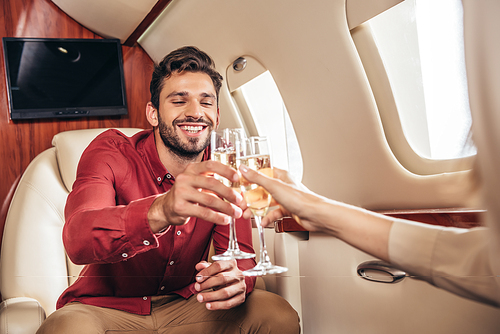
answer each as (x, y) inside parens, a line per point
(34, 268)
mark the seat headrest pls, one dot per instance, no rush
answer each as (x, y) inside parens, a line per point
(70, 146)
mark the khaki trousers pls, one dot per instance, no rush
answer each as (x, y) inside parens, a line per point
(262, 312)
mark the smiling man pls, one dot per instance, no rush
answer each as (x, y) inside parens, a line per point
(142, 215)
(190, 107)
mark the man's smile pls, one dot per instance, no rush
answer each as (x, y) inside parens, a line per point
(193, 129)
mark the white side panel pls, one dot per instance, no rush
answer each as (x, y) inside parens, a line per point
(336, 300)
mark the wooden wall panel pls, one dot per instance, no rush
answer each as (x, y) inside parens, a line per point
(21, 141)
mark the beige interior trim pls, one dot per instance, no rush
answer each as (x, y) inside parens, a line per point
(234, 80)
(359, 11)
(386, 105)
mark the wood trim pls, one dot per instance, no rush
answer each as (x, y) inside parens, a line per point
(287, 224)
(6, 203)
(23, 140)
(146, 22)
(451, 217)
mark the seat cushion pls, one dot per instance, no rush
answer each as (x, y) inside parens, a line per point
(70, 146)
(20, 315)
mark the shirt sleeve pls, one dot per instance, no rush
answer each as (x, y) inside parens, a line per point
(97, 230)
(455, 259)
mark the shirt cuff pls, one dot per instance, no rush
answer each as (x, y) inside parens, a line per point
(137, 227)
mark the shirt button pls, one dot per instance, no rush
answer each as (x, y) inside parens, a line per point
(146, 242)
(124, 254)
(169, 176)
(171, 263)
(178, 232)
(159, 179)
(162, 288)
(145, 298)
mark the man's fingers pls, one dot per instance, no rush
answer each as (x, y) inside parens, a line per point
(214, 270)
(210, 167)
(215, 203)
(202, 265)
(210, 184)
(216, 267)
(222, 285)
(210, 215)
(189, 201)
(216, 282)
(224, 298)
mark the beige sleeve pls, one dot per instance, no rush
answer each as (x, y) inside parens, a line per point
(455, 259)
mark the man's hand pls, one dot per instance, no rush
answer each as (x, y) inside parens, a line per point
(196, 193)
(227, 282)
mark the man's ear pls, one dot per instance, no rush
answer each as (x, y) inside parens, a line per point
(151, 114)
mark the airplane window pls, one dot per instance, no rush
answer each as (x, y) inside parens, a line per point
(421, 46)
(261, 98)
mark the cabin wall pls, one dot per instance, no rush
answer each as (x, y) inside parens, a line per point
(21, 141)
(311, 54)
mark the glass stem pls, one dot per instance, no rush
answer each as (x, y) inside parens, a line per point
(264, 258)
(233, 243)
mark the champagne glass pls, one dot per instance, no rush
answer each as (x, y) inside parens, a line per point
(223, 149)
(254, 152)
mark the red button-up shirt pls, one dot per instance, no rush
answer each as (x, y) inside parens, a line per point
(106, 229)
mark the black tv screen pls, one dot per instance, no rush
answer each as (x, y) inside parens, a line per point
(49, 78)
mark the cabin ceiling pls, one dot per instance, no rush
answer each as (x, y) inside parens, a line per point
(126, 20)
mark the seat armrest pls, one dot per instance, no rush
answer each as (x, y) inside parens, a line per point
(21, 315)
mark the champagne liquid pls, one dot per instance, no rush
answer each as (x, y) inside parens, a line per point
(226, 157)
(257, 198)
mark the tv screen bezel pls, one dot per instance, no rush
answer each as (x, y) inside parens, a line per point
(68, 111)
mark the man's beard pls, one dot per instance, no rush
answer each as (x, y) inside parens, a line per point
(186, 151)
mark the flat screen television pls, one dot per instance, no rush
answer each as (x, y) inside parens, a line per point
(64, 78)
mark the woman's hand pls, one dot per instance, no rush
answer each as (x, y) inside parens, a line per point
(365, 230)
(293, 199)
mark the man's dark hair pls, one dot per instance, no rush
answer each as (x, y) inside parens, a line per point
(188, 58)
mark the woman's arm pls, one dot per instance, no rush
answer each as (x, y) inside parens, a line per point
(365, 230)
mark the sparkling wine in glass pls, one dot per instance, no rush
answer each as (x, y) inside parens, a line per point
(223, 149)
(254, 152)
